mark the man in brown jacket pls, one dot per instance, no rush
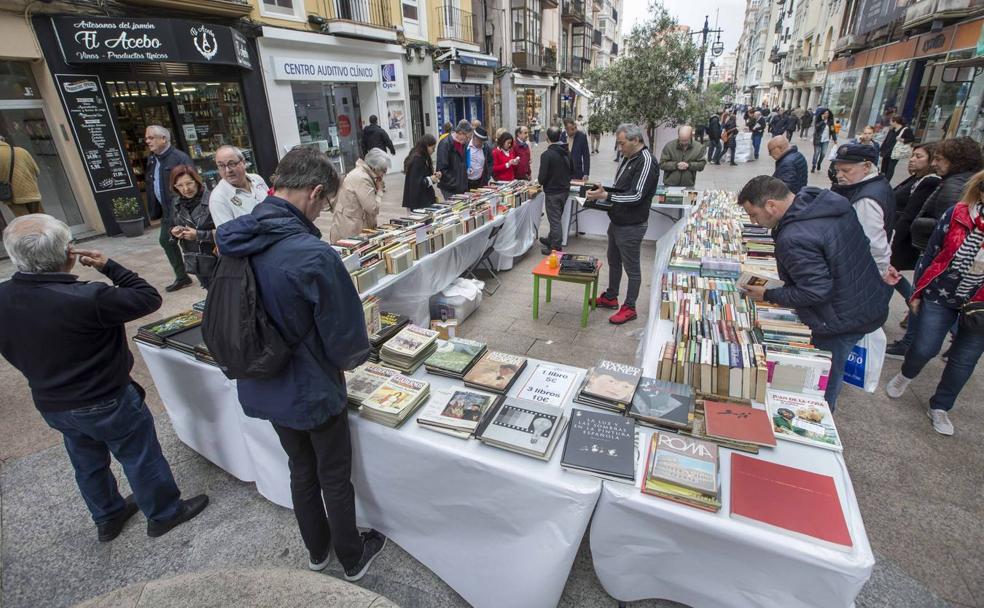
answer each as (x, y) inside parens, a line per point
(27, 197)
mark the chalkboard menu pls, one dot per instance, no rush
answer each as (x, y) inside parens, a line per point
(94, 130)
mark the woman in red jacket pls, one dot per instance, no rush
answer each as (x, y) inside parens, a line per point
(951, 280)
(503, 160)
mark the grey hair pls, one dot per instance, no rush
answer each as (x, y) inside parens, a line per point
(37, 243)
(632, 131)
(378, 160)
(163, 131)
(239, 153)
(463, 126)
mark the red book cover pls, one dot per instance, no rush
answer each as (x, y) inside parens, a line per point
(738, 423)
(794, 501)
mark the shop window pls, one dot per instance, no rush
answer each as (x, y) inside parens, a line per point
(329, 119)
(17, 82)
(529, 103)
(283, 9)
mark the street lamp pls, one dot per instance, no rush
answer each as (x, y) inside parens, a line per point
(716, 48)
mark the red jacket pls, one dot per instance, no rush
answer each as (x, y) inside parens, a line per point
(944, 244)
(523, 169)
(500, 170)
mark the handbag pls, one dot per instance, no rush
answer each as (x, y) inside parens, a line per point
(901, 150)
(971, 319)
(7, 187)
(199, 264)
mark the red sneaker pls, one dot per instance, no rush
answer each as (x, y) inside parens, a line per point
(604, 302)
(624, 314)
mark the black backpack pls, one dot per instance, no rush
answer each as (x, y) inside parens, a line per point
(235, 326)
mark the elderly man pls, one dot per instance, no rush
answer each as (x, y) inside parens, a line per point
(310, 298)
(578, 148)
(873, 199)
(68, 338)
(790, 164)
(682, 158)
(631, 196)
(452, 160)
(479, 159)
(523, 153)
(238, 191)
(821, 254)
(157, 180)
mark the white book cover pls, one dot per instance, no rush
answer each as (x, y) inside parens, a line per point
(529, 427)
(548, 384)
(803, 419)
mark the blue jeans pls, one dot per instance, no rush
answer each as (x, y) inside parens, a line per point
(840, 347)
(123, 427)
(819, 153)
(935, 320)
(756, 143)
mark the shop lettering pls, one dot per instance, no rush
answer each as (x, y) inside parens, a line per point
(90, 40)
(328, 71)
(936, 42)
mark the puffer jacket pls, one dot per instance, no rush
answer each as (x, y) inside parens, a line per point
(312, 301)
(943, 198)
(823, 259)
(949, 234)
(791, 169)
(909, 198)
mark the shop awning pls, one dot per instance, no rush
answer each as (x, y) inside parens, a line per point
(578, 88)
(533, 80)
(477, 59)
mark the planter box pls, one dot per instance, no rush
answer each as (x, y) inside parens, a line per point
(131, 228)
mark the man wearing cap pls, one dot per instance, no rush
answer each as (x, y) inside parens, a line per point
(859, 181)
(479, 157)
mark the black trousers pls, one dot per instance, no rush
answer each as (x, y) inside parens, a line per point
(320, 461)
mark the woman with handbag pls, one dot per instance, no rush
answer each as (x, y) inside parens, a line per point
(950, 289)
(897, 146)
(823, 134)
(192, 223)
(420, 182)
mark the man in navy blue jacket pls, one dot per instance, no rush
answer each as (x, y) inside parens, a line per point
(313, 303)
(790, 163)
(157, 180)
(577, 144)
(829, 276)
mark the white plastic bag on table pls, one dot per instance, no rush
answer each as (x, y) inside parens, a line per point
(458, 300)
(864, 365)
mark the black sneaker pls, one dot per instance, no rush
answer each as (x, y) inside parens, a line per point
(189, 510)
(546, 250)
(372, 545)
(111, 529)
(544, 241)
(896, 350)
(318, 564)
(178, 284)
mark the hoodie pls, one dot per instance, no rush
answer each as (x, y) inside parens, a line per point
(312, 301)
(555, 169)
(823, 259)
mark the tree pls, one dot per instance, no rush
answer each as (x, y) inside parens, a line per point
(649, 83)
(699, 106)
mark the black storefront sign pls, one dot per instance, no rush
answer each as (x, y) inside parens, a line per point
(100, 40)
(95, 131)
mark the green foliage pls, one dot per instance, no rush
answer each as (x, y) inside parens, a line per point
(126, 208)
(699, 106)
(651, 80)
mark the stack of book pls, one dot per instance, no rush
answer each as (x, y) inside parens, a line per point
(730, 369)
(157, 332)
(523, 427)
(495, 371)
(609, 385)
(407, 350)
(738, 423)
(683, 469)
(658, 403)
(454, 357)
(186, 341)
(390, 324)
(364, 380)
(803, 419)
(600, 444)
(575, 265)
(457, 412)
(699, 430)
(393, 402)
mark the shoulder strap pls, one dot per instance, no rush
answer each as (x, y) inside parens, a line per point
(10, 173)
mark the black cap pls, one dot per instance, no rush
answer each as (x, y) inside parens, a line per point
(856, 153)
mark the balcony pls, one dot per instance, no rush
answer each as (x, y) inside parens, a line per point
(801, 67)
(851, 42)
(549, 59)
(579, 65)
(360, 18)
(572, 10)
(596, 39)
(528, 56)
(925, 12)
(217, 8)
(455, 27)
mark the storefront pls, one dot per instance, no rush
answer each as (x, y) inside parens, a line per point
(333, 88)
(466, 87)
(117, 76)
(527, 96)
(574, 99)
(422, 92)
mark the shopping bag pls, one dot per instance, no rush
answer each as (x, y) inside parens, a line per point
(864, 364)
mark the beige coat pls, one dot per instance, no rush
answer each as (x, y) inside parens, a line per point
(25, 174)
(357, 204)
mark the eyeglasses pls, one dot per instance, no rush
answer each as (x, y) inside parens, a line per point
(229, 165)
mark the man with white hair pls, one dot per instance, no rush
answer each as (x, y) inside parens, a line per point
(68, 338)
(682, 158)
(157, 180)
(238, 191)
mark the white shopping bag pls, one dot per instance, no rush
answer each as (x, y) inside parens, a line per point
(864, 365)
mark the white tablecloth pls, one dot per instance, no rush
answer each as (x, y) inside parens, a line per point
(500, 528)
(594, 222)
(519, 232)
(645, 547)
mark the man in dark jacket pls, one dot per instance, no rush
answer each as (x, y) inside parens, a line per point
(790, 164)
(777, 123)
(792, 124)
(68, 338)
(577, 145)
(758, 132)
(555, 177)
(157, 181)
(714, 139)
(375, 136)
(452, 162)
(829, 277)
(311, 300)
(630, 198)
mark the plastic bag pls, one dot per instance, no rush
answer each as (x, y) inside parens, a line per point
(458, 300)
(864, 365)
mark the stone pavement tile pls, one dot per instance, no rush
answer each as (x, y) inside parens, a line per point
(971, 564)
(568, 354)
(503, 341)
(890, 587)
(22, 430)
(542, 329)
(598, 324)
(127, 597)
(607, 345)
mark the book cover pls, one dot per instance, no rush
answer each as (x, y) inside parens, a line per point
(366, 379)
(759, 278)
(657, 487)
(548, 384)
(173, 324)
(455, 355)
(457, 408)
(396, 394)
(803, 419)
(600, 443)
(686, 461)
(611, 381)
(663, 402)
(789, 500)
(523, 426)
(411, 341)
(738, 423)
(495, 370)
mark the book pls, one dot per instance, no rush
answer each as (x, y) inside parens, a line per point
(803, 419)
(495, 371)
(738, 423)
(600, 444)
(454, 357)
(408, 349)
(457, 410)
(665, 404)
(548, 384)
(155, 333)
(395, 400)
(654, 486)
(686, 461)
(788, 500)
(759, 279)
(523, 427)
(364, 380)
(609, 385)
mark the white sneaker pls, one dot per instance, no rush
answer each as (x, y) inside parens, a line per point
(941, 421)
(897, 385)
